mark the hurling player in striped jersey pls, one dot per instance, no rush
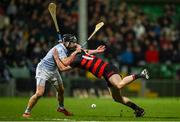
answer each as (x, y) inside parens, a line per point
(84, 59)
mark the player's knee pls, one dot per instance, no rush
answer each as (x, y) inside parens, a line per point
(39, 94)
(119, 86)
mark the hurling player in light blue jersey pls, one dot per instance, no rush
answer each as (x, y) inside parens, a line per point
(47, 71)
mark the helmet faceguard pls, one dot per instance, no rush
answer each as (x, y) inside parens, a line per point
(69, 38)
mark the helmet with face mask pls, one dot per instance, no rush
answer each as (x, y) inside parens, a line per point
(69, 38)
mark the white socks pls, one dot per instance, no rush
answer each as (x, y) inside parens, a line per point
(27, 110)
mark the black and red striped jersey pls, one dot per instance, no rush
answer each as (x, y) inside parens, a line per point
(90, 63)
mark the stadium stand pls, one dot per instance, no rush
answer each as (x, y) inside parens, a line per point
(136, 35)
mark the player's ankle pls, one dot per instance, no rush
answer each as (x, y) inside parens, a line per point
(28, 110)
(61, 108)
(136, 76)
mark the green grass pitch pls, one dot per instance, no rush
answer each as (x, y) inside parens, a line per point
(165, 109)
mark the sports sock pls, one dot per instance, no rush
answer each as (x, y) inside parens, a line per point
(133, 106)
(28, 110)
(61, 105)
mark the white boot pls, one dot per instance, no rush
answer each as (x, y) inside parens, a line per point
(145, 74)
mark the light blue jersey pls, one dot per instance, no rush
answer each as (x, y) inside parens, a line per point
(48, 61)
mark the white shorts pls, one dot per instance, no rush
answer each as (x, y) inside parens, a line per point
(43, 75)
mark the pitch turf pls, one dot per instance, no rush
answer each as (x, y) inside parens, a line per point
(167, 109)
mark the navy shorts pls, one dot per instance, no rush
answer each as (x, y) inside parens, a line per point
(108, 72)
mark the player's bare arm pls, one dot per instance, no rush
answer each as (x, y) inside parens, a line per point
(68, 60)
(99, 49)
(61, 65)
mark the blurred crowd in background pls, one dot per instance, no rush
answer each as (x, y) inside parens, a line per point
(138, 34)
(133, 38)
(27, 31)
